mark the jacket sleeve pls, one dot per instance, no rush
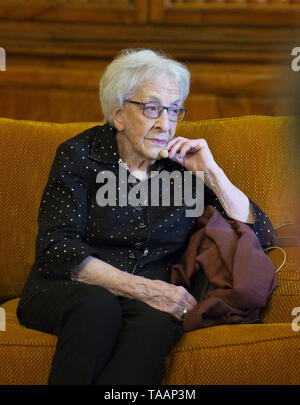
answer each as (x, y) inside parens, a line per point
(60, 244)
(262, 227)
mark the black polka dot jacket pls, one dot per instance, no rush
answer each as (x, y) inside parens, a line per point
(141, 239)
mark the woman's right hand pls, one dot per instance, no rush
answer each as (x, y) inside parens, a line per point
(168, 297)
(156, 293)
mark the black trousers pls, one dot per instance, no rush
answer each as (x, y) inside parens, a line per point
(102, 338)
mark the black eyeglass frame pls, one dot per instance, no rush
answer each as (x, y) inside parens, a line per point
(160, 112)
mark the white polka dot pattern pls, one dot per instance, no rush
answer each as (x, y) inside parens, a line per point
(142, 240)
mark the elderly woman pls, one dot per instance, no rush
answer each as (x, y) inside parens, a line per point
(100, 280)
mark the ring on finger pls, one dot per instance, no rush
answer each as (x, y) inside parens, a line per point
(184, 312)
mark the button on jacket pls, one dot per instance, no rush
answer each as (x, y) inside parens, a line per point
(140, 239)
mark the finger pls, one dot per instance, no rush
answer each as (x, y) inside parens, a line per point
(170, 144)
(194, 146)
(175, 311)
(185, 301)
(177, 141)
(186, 297)
(184, 149)
(172, 141)
(191, 302)
(176, 148)
(183, 308)
(180, 313)
(189, 145)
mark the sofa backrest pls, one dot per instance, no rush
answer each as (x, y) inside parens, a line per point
(253, 151)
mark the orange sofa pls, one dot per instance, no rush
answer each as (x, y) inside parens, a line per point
(254, 153)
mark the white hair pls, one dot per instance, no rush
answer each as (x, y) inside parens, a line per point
(130, 69)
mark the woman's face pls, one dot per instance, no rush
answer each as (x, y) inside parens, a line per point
(149, 135)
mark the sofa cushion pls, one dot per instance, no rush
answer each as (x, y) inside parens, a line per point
(25, 354)
(287, 295)
(226, 354)
(254, 354)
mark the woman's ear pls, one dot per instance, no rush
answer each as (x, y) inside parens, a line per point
(118, 118)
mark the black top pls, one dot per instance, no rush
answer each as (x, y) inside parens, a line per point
(143, 240)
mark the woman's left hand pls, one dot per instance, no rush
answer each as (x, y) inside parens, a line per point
(193, 154)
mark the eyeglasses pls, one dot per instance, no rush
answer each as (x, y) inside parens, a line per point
(154, 110)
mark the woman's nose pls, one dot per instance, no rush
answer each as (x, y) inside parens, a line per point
(163, 121)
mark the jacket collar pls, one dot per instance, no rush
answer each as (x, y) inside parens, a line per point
(105, 147)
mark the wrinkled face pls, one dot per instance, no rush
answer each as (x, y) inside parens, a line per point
(149, 135)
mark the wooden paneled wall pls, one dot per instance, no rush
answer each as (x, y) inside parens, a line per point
(238, 52)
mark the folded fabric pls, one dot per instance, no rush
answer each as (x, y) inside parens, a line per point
(240, 274)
